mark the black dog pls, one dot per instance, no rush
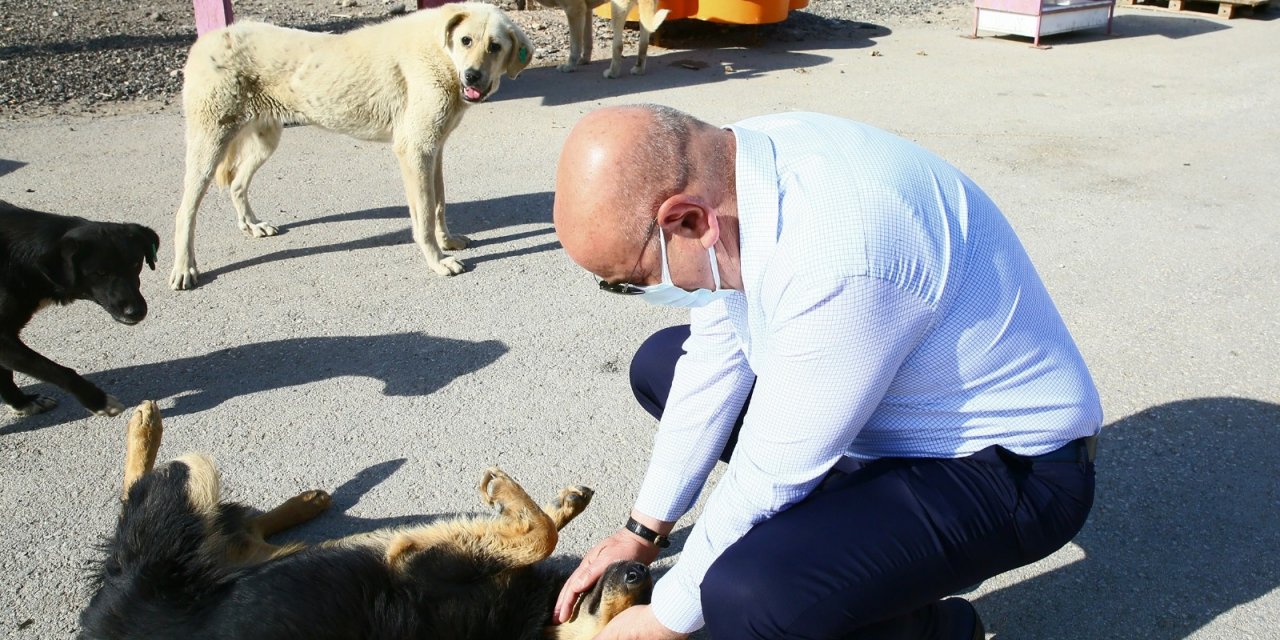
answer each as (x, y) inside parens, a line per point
(51, 259)
(185, 565)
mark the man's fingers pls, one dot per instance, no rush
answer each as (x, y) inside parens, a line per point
(578, 582)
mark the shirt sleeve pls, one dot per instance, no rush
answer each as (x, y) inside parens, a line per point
(710, 385)
(833, 350)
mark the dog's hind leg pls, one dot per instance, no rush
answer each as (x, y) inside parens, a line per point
(206, 147)
(650, 20)
(521, 535)
(571, 502)
(251, 147)
(581, 38)
(618, 15)
(142, 441)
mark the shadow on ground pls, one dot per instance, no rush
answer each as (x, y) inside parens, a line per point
(693, 53)
(408, 364)
(1185, 527)
(464, 218)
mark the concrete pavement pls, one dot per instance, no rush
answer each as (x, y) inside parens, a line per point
(1139, 170)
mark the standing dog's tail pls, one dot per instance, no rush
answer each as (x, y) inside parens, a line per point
(650, 16)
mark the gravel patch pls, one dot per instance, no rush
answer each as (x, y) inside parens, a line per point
(105, 56)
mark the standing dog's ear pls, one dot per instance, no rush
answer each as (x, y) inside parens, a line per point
(458, 15)
(521, 50)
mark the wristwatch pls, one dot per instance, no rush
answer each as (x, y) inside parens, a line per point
(646, 533)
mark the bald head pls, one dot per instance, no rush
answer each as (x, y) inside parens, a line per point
(617, 167)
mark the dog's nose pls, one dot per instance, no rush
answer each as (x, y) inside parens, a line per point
(135, 312)
(472, 76)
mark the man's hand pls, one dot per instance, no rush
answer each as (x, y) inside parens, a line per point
(638, 623)
(622, 545)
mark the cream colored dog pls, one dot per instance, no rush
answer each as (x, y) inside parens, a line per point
(406, 81)
(581, 37)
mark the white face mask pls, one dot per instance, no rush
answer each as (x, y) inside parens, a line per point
(668, 294)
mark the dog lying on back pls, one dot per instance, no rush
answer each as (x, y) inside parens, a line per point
(51, 259)
(185, 565)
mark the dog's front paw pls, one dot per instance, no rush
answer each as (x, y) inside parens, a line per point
(182, 278)
(454, 242)
(36, 404)
(567, 67)
(258, 229)
(637, 70)
(112, 408)
(448, 266)
(611, 72)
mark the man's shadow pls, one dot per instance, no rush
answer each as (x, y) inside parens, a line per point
(408, 364)
(1185, 527)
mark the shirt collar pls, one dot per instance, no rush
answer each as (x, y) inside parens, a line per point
(759, 206)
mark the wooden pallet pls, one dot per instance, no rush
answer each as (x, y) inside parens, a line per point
(1225, 8)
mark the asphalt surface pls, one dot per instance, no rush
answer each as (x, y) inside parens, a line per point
(1139, 170)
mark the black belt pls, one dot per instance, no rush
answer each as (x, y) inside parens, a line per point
(1078, 450)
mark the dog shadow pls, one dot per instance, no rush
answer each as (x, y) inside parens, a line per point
(1185, 528)
(464, 217)
(693, 52)
(9, 166)
(408, 364)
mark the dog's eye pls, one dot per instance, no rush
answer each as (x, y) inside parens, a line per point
(466, 41)
(494, 47)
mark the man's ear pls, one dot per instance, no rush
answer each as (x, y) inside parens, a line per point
(689, 216)
(521, 51)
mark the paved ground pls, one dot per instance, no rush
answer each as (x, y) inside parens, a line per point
(1140, 170)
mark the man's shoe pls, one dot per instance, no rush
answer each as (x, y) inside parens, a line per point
(964, 608)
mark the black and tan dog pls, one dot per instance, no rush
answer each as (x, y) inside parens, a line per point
(49, 259)
(184, 564)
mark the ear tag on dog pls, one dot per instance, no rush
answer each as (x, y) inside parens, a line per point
(523, 55)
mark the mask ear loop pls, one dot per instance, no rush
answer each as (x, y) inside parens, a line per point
(715, 269)
(666, 272)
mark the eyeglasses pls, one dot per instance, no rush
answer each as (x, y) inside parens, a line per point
(626, 288)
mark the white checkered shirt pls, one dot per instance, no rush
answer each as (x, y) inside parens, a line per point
(887, 309)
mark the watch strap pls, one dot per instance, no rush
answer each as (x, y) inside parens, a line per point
(647, 534)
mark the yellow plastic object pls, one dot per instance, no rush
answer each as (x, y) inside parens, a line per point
(727, 11)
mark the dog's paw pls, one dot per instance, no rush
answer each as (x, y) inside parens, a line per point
(574, 498)
(448, 266)
(314, 501)
(454, 242)
(637, 70)
(36, 404)
(259, 229)
(567, 67)
(113, 408)
(611, 72)
(182, 278)
(496, 487)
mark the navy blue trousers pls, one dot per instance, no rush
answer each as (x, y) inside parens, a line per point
(872, 551)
